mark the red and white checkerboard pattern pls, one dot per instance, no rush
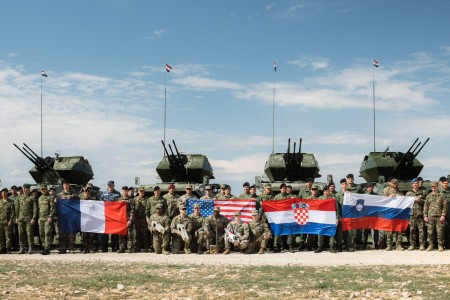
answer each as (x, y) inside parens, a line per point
(301, 215)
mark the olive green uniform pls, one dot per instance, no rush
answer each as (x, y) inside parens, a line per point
(198, 232)
(6, 222)
(67, 240)
(26, 211)
(416, 222)
(176, 234)
(242, 233)
(214, 228)
(344, 235)
(47, 211)
(436, 205)
(390, 234)
(140, 234)
(160, 240)
(260, 234)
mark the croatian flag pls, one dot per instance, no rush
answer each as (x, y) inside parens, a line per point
(168, 68)
(92, 216)
(300, 216)
(375, 63)
(376, 212)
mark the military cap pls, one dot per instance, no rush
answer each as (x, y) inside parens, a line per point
(237, 214)
(14, 187)
(268, 186)
(419, 178)
(19, 188)
(394, 180)
(171, 186)
(314, 187)
(282, 185)
(349, 175)
(43, 186)
(343, 180)
(52, 188)
(208, 187)
(159, 205)
(196, 205)
(289, 186)
(216, 208)
(255, 212)
(156, 188)
(34, 190)
(182, 206)
(141, 188)
(125, 188)
(223, 186)
(325, 188)
(442, 179)
(414, 180)
(26, 185)
(4, 190)
(111, 182)
(370, 184)
(434, 183)
(246, 184)
(188, 186)
(309, 179)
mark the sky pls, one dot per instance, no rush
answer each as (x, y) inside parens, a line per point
(105, 91)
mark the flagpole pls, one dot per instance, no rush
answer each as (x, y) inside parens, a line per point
(373, 93)
(42, 151)
(165, 104)
(273, 110)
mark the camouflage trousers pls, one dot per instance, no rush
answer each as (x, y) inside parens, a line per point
(55, 231)
(160, 241)
(211, 240)
(126, 240)
(140, 235)
(416, 229)
(178, 240)
(390, 238)
(257, 244)
(25, 234)
(243, 245)
(447, 232)
(89, 239)
(67, 241)
(198, 241)
(46, 234)
(5, 236)
(434, 224)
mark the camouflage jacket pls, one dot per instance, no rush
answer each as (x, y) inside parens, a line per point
(183, 198)
(47, 207)
(163, 220)
(67, 195)
(198, 222)
(26, 208)
(186, 221)
(420, 196)
(241, 230)
(388, 191)
(150, 206)
(245, 196)
(211, 223)
(137, 208)
(304, 193)
(435, 205)
(281, 196)
(258, 229)
(6, 211)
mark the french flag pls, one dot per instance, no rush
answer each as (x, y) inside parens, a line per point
(301, 216)
(376, 212)
(92, 216)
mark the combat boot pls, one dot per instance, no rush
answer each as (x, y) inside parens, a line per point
(389, 248)
(440, 248)
(430, 248)
(318, 250)
(165, 252)
(227, 251)
(261, 251)
(333, 250)
(187, 251)
(30, 250)
(22, 250)
(199, 251)
(411, 248)
(121, 250)
(422, 248)
(45, 252)
(400, 248)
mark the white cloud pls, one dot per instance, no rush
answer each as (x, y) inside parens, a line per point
(157, 33)
(305, 61)
(196, 82)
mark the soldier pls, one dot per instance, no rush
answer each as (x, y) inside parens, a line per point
(6, 221)
(246, 191)
(241, 233)
(373, 232)
(66, 240)
(253, 194)
(321, 238)
(351, 186)
(150, 206)
(14, 229)
(289, 191)
(221, 194)
(130, 192)
(310, 238)
(305, 191)
(171, 202)
(139, 223)
(278, 240)
(416, 222)
(446, 192)
(214, 230)
(393, 191)
(26, 214)
(159, 226)
(260, 234)
(88, 237)
(187, 195)
(181, 228)
(208, 193)
(421, 187)
(332, 188)
(227, 193)
(341, 234)
(124, 238)
(110, 195)
(198, 230)
(47, 211)
(435, 210)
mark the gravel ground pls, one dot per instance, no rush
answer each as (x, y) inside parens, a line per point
(358, 258)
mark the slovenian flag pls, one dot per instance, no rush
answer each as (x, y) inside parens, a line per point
(376, 212)
(375, 63)
(168, 68)
(43, 73)
(92, 216)
(301, 216)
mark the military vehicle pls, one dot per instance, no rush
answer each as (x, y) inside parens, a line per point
(378, 167)
(52, 170)
(290, 168)
(182, 169)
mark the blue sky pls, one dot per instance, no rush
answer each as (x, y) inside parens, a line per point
(104, 95)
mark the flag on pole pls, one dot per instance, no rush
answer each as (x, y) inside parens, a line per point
(300, 216)
(43, 73)
(376, 212)
(168, 68)
(274, 66)
(375, 63)
(92, 216)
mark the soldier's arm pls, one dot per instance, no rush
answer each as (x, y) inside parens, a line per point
(173, 225)
(35, 210)
(52, 208)
(246, 232)
(189, 226)
(445, 206)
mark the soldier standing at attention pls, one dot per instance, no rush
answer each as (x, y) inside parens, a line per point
(171, 202)
(393, 191)
(161, 239)
(260, 233)
(14, 229)
(26, 214)
(177, 233)
(283, 194)
(305, 191)
(342, 234)
(187, 195)
(416, 222)
(446, 192)
(6, 220)
(221, 194)
(198, 223)
(373, 232)
(246, 191)
(253, 192)
(321, 238)
(129, 237)
(208, 193)
(66, 240)
(435, 210)
(150, 206)
(311, 237)
(110, 195)
(47, 210)
(88, 237)
(214, 230)
(241, 232)
(139, 224)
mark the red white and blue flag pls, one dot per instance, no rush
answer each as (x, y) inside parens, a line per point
(376, 212)
(168, 68)
(227, 207)
(375, 63)
(43, 73)
(275, 66)
(92, 216)
(301, 216)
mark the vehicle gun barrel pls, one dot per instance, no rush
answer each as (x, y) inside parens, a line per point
(27, 156)
(415, 154)
(167, 153)
(180, 160)
(289, 150)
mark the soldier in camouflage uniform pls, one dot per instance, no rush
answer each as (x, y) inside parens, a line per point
(332, 188)
(241, 233)
(278, 240)
(55, 238)
(260, 234)
(26, 214)
(392, 191)
(321, 238)
(336, 243)
(14, 229)
(161, 240)
(310, 239)
(198, 230)
(221, 193)
(150, 206)
(208, 193)
(177, 236)
(47, 211)
(88, 237)
(435, 210)
(246, 191)
(353, 188)
(140, 233)
(305, 191)
(446, 192)
(266, 195)
(67, 240)
(172, 202)
(366, 232)
(253, 194)
(416, 222)
(123, 239)
(215, 229)
(187, 195)
(6, 221)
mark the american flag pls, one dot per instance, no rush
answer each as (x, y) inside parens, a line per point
(227, 207)
(168, 68)
(375, 63)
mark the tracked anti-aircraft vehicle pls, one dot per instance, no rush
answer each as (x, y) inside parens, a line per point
(290, 168)
(52, 170)
(182, 169)
(378, 167)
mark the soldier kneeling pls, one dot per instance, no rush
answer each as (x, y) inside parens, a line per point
(237, 234)
(260, 234)
(159, 224)
(181, 228)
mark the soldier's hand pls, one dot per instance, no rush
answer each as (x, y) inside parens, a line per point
(196, 234)
(17, 221)
(442, 219)
(49, 220)
(129, 223)
(32, 222)
(425, 219)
